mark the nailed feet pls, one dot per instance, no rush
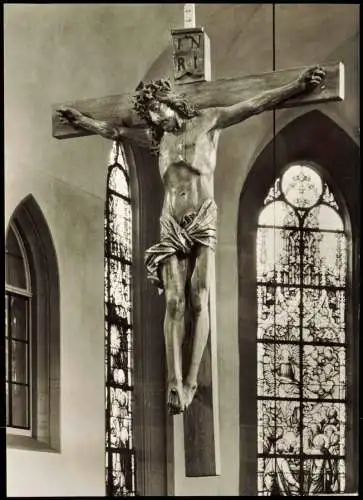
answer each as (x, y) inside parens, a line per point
(180, 397)
(175, 398)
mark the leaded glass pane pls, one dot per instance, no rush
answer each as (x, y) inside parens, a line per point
(121, 475)
(120, 461)
(278, 214)
(19, 406)
(278, 370)
(323, 474)
(278, 310)
(324, 258)
(120, 419)
(15, 273)
(324, 217)
(278, 255)
(323, 372)
(121, 368)
(301, 186)
(271, 482)
(324, 315)
(118, 181)
(324, 422)
(117, 158)
(18, 317)
(278, 476)
(328, 198)
(119, 228)
(19, 362)
(7, 404)
(278, 422)
(6, 358)
(120, 290)
(301, 253)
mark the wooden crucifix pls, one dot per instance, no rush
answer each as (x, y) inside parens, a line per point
(182, 122)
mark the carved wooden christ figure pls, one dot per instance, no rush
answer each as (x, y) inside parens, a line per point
(186, 140)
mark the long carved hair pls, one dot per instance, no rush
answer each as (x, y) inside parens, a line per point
(160, 91)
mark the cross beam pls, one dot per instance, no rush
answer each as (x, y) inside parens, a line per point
(223, 92)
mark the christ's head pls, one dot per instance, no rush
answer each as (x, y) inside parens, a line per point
(162, 115)
(162, 109)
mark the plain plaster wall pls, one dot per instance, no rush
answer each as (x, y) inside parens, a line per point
(56, 53)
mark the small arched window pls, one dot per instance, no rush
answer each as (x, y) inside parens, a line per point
(119, 360)
(301, 337)
(18, 295)
(32, 331)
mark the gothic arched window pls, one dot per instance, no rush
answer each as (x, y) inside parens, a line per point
(18, 297)
(120, 459)
(301, 337)
(32, 331)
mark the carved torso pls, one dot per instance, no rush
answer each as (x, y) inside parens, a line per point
(187, 160)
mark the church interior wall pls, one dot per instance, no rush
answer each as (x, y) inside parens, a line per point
(61, 53)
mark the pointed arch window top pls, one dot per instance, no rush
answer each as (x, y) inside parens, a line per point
(16, 264)
(118, 179)
(117, 155)
(300, 198)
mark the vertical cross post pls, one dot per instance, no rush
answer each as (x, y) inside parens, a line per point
(191, 57)
(189, 15)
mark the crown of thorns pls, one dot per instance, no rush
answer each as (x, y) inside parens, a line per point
(148, 93)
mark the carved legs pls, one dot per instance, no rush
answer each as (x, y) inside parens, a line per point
(174, 335)
(174, 274)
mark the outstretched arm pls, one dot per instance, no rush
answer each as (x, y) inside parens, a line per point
(105, 129)
(308, 81)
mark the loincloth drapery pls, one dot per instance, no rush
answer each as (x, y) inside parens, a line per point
(200, 229)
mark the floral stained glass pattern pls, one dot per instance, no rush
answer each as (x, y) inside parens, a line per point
(120, 456)
(301, 352)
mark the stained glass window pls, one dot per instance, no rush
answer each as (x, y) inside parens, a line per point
(301, 343)
(120, 453)
(17, 334)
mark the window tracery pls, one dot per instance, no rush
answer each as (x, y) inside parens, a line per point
(301, 342)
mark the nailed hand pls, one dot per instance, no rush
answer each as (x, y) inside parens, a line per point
(68, 114)
(312, 78)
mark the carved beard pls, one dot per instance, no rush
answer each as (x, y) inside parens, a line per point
(175, 127)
